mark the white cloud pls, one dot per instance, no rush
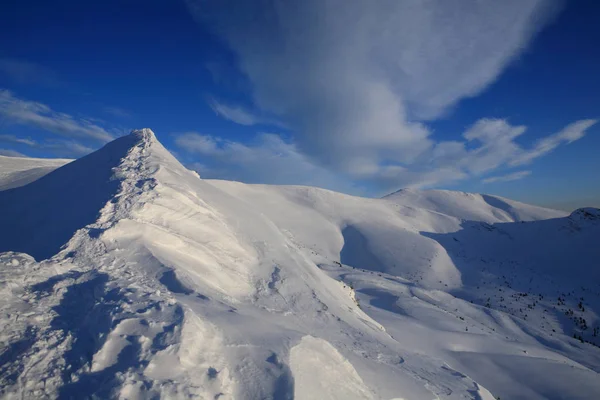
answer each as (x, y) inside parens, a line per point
(39, 115)
(68, 148)
(507, 178)
(496, 144)
(269, 159)
(198, 143)
(569, 134)
(18, 140)
(356, 80)
(236, 114)
(241, 115)
(488, 130)
(488, 145)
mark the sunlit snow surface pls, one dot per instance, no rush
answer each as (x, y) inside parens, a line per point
(151, 282)
(19, 171)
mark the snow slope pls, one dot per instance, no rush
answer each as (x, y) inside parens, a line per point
(125, 275)
(19, 171)
(472, 206)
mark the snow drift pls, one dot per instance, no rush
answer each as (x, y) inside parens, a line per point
(125, 275)
(19, 171)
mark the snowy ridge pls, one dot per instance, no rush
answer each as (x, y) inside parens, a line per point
(19, 171)
(472, 206)
(150, 281)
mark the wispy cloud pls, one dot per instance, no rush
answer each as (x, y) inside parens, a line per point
(19, 140)
(356, 82)
(268, 159)
(241, 115)
(39, 115)
(487, 145)
(236, 114)
(569, 134)
(65, 148)
(507, 178)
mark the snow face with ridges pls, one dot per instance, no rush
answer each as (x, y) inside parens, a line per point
(158, 283)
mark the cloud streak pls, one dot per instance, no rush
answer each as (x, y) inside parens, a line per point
(268, 159)
(41, 116)
(241, 115)
(569, 134)
(487, 145)
(236, 114)
(68, 148)
(357, 81)
(507, 178)
(17, 140)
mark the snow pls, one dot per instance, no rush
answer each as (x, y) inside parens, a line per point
(334, 378)
(125, 275)
(472, 206)
(19, 171)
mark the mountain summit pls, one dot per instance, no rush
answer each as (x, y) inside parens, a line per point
(125, 275)
(45, 214)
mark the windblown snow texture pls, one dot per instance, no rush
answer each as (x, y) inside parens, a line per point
(19, 171)
(125, 275)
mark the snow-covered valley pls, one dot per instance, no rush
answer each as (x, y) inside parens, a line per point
(125, 275)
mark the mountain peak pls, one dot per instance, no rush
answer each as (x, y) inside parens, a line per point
(586, 213)
(145, 134)
(72, 196)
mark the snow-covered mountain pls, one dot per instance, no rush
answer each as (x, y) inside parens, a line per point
(472, 206)
(19, 171)
(126, 275)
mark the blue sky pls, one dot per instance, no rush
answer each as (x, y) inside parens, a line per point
(360, 97)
